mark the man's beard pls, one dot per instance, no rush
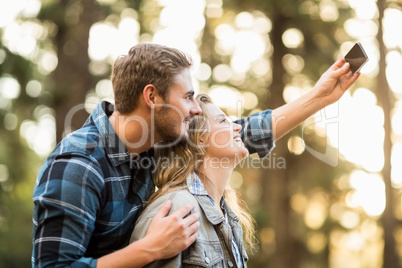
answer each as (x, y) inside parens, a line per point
(167, 126)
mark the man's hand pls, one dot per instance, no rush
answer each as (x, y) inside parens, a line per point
(170, 235)
(166, 237)
(334, 82)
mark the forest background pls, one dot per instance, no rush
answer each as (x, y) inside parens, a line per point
(329, 195)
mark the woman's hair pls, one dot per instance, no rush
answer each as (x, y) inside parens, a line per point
(177, 162)
(146, 63)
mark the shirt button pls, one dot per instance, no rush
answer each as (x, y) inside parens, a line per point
(230, 263)
(207, 260)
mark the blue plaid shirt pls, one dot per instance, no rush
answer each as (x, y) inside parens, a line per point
(89, 192)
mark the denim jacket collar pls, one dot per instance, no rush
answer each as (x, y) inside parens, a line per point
(214, 216)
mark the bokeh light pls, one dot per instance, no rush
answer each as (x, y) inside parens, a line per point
(48, 62)
(397, 118)
(396, 171)
(368, 193)
(316, 210)
(203, 72)
(328, 11)
(296, 145)
(10, 121)
(293, 63)
(225, 96)
(40, 135)
(250, 100)
(9, 88)
(4, 173)
(222, 73)
(394, 65)
(34, 88)
(292, 38)
(392, 24)
(365, 9)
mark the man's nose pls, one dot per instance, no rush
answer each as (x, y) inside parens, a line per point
(195, 108)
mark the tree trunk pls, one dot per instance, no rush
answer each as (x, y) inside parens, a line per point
(384, 96)
(72, 74)
(275, 184)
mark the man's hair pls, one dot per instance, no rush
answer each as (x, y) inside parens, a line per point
(145, 64)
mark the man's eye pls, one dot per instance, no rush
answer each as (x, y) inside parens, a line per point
(223, 120)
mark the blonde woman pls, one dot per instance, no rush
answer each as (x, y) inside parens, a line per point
(198, 172)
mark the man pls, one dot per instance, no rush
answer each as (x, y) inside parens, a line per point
(92, 188)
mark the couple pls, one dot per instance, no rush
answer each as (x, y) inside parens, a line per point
(89, 192)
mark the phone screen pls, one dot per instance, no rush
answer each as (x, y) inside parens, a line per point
(356, 57)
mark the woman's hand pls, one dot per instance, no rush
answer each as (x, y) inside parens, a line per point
(334, 82)
(330, 88)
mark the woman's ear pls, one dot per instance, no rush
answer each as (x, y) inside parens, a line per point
(203, 140)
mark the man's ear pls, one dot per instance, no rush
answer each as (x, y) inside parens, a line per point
(151, 96)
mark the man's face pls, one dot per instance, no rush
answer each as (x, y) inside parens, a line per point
(173, 116)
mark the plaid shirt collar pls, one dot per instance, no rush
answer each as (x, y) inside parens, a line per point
(114, 147)
(196, 187)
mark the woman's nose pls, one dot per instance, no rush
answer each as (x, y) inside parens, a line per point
(237, 127)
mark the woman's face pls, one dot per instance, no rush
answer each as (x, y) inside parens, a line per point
(224, 143)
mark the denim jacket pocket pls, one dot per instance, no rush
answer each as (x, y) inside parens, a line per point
(203, 254)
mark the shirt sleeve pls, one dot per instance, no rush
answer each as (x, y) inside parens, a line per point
(66, 201)
(257, 133)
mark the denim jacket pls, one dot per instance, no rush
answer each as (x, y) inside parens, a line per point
(213, 247)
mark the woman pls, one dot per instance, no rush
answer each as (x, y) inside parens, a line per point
(198, 172)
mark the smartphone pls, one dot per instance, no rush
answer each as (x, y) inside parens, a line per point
(356, 57)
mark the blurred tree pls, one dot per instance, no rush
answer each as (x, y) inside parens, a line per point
(386, 100)
(17, 165)
(72, 79)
